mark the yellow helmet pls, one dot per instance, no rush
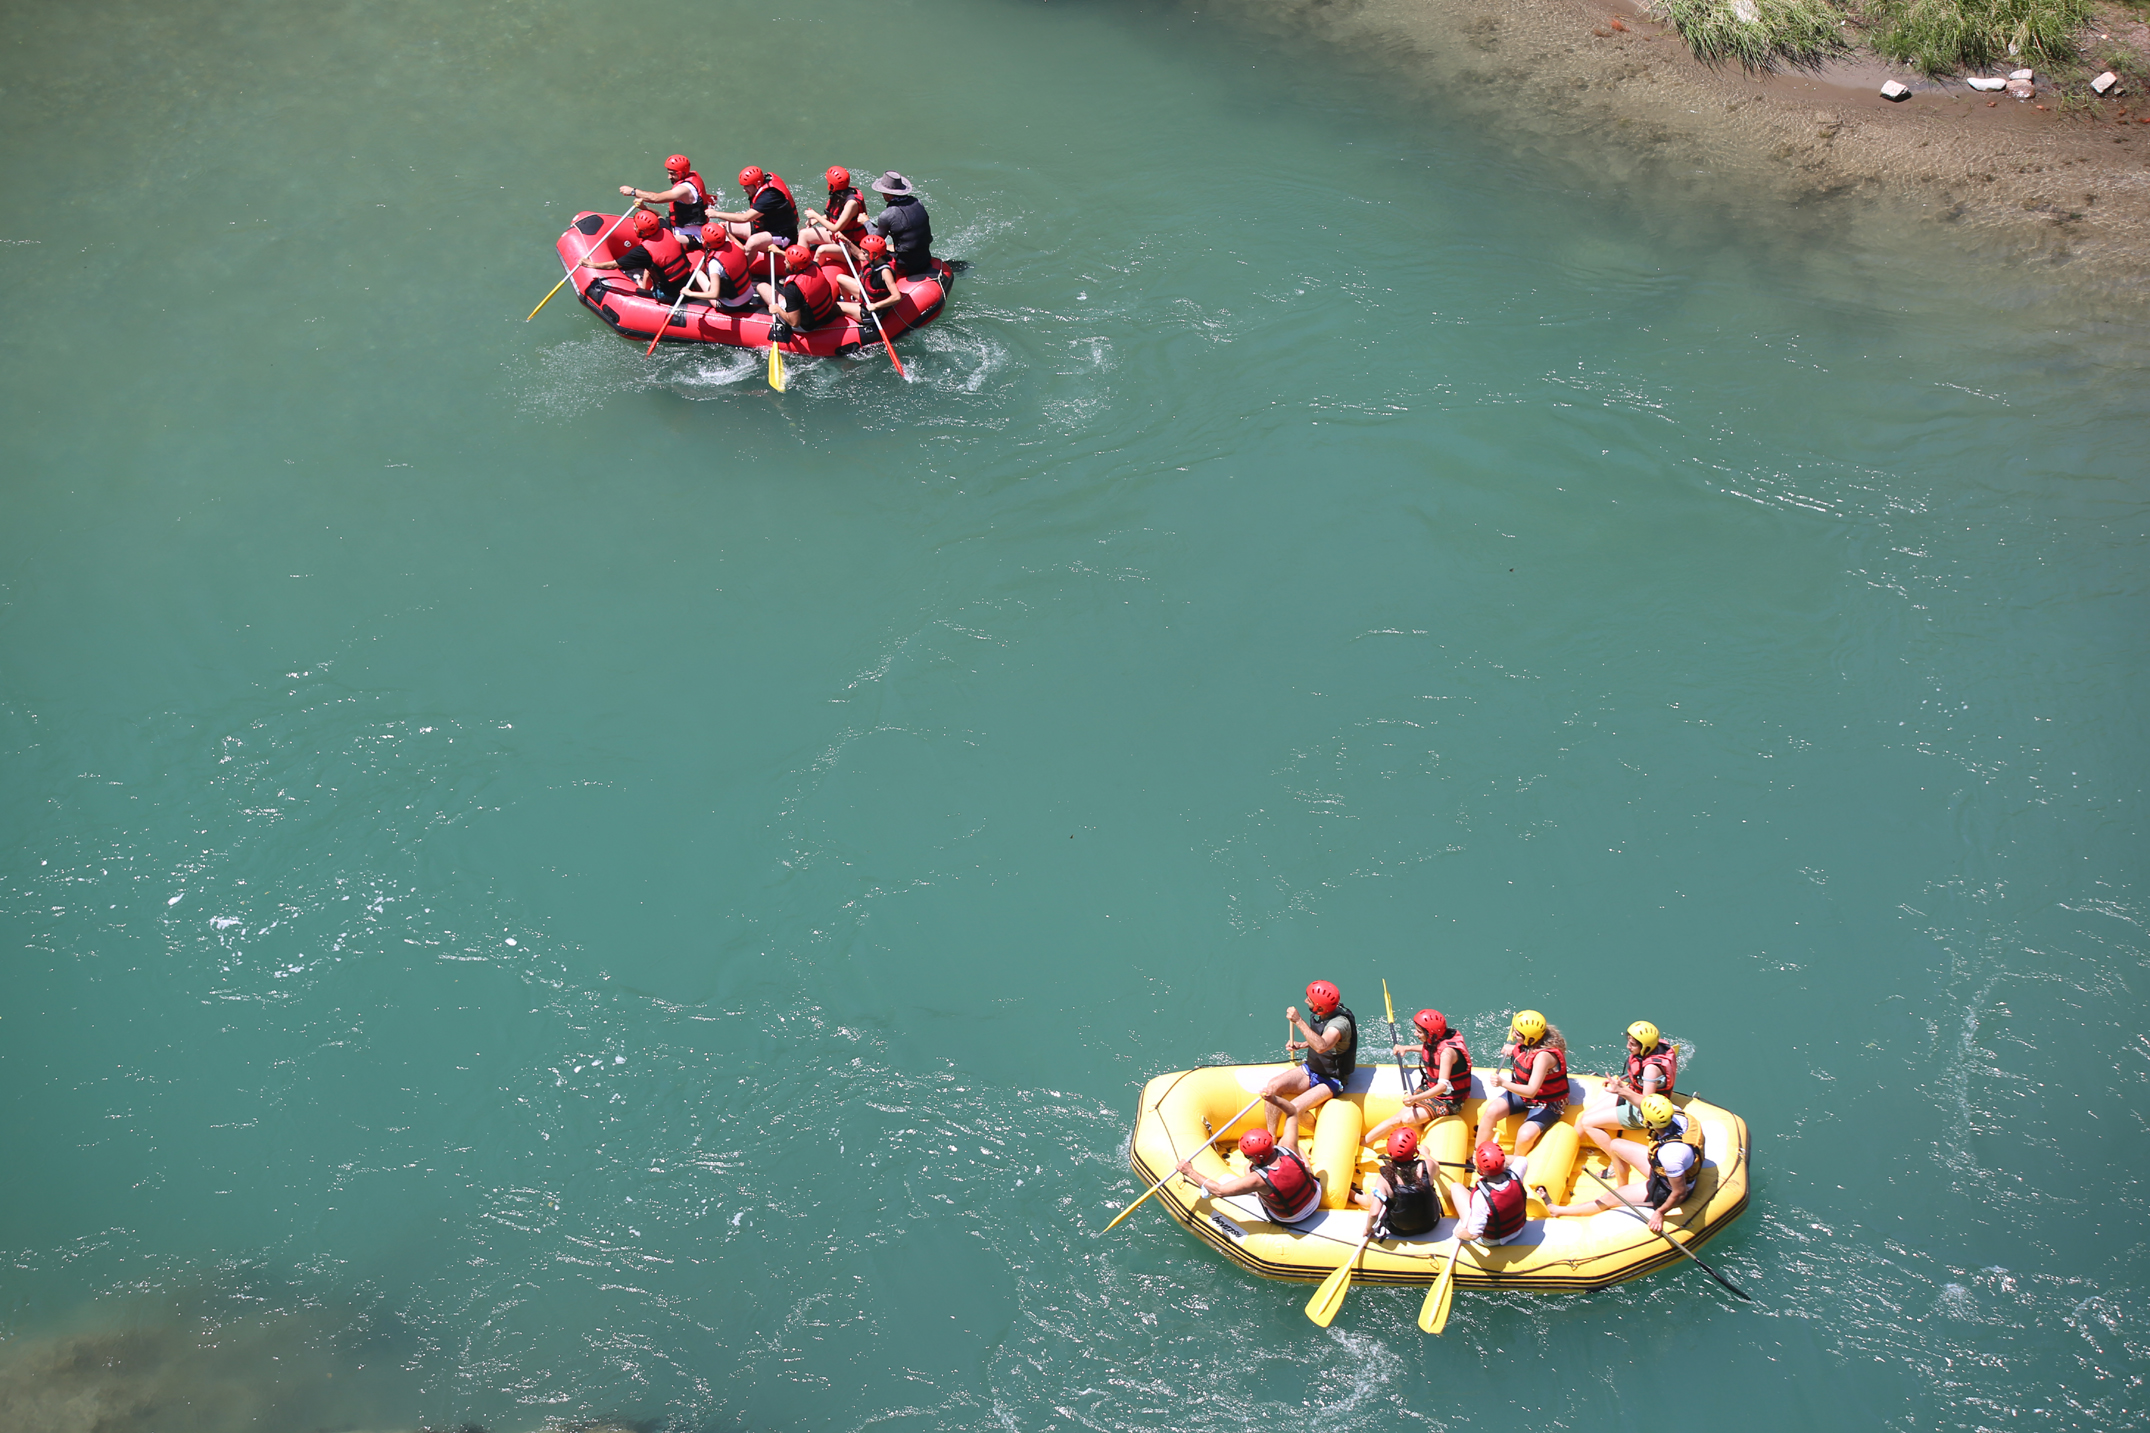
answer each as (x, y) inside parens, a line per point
(1657, 1112)
(1529, 1025)
(1645, 1035)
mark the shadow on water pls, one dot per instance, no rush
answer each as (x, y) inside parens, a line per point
(208, 1359)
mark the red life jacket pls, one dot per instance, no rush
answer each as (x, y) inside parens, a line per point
(817, 298)
(690, 211)
(1508, 1205)
(1667, 1060)
(787, 218)
(1285, 1181)
(856, 229)
(1460, 1077)
(732, 267)
(1555, 1089)
(671, 259)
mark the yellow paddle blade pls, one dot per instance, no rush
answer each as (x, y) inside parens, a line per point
(1133, 1207)
(776, 368)
(1330, 1296)
(548, 297)
(1433, 1314)
(1388, 1002)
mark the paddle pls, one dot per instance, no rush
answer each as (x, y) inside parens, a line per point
(1433, 1314)
(1728, 1284)
(1403, 1074)
(675, 305)
(1250, 1104)
(1330, 1296)
(579, 263)
(866, 303)
(776, 358)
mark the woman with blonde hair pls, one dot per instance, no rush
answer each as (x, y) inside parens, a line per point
(1536, 1084)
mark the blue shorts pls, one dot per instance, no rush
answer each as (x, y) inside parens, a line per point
(1336, 1087)
(1544, 1116)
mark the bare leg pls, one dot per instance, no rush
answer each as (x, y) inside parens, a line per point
(1526, 1137)
(1283, 1086)
(1416, 1116)
(1490, 1116)
(1603, 1201)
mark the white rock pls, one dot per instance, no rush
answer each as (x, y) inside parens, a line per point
(1981, 83)
(2105, 82)
(1895, 90)
(2022, 89)
(2022, 75)
(1746, 13)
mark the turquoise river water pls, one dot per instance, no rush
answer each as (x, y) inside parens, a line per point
(542, 885)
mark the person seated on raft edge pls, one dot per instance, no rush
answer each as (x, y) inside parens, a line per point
(1444, 1064)
(1402, 1199)
(1653, 1063)
(1673, 1163)
(904, 224)
(1497, 1210)
(1279, 1175)
(688, 196)
(844, 219)
(659, 262)
(770, 220)
(1539, 1054)
(1332, 1053)
(807, 300)
(726, 278)
(879, 290)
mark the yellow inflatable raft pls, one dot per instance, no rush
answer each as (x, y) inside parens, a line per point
(1184, 1113)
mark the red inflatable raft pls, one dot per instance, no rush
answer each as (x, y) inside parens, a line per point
(612, 297)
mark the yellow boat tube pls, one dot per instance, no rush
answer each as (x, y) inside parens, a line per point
(1180, 1114)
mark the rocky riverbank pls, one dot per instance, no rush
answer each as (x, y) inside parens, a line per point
(2061, 182)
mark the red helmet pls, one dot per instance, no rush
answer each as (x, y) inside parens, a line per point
(1257, 1145)
(678, 164)
(1433, 1022)
(874, 245)
(648, 225)
(798, 258)
(750, 178)
(1490, 1158)
(1403, 1142)
(838, 177)
(1322, 997)
(716, 238)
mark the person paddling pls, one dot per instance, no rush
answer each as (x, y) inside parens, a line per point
(904, 224)
(658, 262)
(1444, 1077)
(1497, 1210)
(726, 278)
(1653, 1064)
(1674, 1161)
(807, 299)
(878, 291)
(771, 218)
(1332, 1053)
(1401, 1198)
(1279, 1176)
(1536, 1085)
(688, 196)
(844, 218)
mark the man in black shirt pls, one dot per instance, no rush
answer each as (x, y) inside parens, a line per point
(905, 225)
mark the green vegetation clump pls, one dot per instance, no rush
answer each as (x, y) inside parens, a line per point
(1760, 34)
(1942, 37)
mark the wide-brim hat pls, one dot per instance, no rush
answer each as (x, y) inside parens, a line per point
(892, 184)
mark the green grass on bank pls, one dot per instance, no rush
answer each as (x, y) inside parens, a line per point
(1942, 37)
(1759, 34)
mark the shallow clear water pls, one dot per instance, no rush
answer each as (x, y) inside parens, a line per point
(542, 883)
